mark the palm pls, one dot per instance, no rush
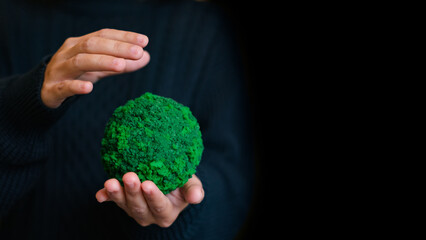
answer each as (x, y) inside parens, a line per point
(145, 203)
(177, 198)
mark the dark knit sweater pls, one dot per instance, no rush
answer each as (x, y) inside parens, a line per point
(50, 166)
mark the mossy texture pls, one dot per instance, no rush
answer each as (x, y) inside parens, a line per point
(155, 137)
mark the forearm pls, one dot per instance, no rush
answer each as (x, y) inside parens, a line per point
(24, 122)
(24, 119)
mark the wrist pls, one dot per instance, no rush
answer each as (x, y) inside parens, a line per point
(21, 100)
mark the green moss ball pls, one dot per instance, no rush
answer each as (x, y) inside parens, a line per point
(155, 137)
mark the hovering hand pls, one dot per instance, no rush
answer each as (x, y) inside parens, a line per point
(81, 61)
(145, 203)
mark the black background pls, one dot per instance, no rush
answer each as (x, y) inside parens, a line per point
(261, 38)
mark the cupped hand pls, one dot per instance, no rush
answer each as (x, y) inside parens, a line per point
(146, 204)
(81, 61)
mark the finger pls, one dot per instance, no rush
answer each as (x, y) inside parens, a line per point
(69, 43)
(193, 191)
(115, 192)
(68, 88)
(64, 89)
(120, 35)
(158, 203)
(135, 201)
(131, 66)
(102, 195)
(104, 46)
(83, 62)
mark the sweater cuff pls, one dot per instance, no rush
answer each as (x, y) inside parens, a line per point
(24, 119)
(22, 104)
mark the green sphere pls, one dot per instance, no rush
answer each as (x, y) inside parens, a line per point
(155, 137)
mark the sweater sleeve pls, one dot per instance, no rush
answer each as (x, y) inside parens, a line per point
(24, 121)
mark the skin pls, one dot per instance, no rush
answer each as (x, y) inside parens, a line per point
(146, 204)
(82, 61)
(74, 68)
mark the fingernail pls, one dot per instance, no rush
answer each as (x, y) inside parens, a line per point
(130, 185)
(112, 191)
(200, 194)
(101, 199)
(147, 191)
(141, 39)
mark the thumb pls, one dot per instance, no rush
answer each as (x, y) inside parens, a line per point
(54, 95)
(193, 191)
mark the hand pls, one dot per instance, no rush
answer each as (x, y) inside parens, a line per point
(81, 61)
(145, 203)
